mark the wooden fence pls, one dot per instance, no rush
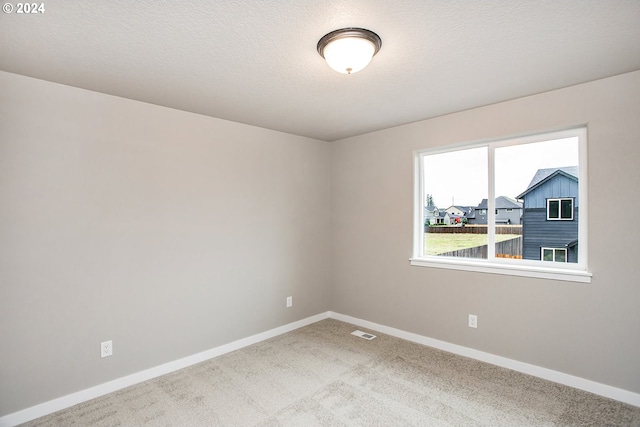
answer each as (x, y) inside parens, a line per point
(473, 229)
(511, 248)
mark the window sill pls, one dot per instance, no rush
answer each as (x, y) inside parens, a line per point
(510, 270)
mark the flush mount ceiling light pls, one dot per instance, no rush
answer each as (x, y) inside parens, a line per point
(349, 50)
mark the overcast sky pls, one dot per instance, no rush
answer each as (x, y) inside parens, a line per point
(460, 177)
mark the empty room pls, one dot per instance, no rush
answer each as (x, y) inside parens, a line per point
(298, 213)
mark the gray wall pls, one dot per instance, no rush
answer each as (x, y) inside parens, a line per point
(587, 330)
(168, 232)
(172, 233)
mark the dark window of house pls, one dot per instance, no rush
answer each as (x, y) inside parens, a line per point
(560, 209)
(554, 254)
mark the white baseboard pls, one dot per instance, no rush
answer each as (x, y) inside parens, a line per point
(69, 400)
(526, 368)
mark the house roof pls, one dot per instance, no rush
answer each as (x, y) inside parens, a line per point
(544, 175)
(464, 208)
(471, 212)
(434, 211)
(468, 211)
(502, 202)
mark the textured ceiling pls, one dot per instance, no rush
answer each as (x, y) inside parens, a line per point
(256, 62)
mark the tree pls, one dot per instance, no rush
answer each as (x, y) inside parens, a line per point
(429, 200)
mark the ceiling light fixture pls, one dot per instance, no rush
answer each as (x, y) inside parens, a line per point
(349, 50)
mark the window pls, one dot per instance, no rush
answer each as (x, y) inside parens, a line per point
(560, 209)
(554, 254)
(539, 180)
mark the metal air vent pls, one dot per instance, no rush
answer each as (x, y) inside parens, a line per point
(364, 335)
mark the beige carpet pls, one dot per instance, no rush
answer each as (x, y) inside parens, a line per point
(321, 375)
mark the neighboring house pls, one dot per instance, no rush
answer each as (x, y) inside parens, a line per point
(456, 210)
(550, 218)
(452, 219)
(468, 212)
(471, 213)
(456, 214)
(508, 211)
(431, 215)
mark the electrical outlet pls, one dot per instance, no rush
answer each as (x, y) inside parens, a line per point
(106, 348)
(289, 301)
(473, 321)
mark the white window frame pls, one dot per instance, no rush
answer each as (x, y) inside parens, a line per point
(559, 200)
(574, 272)
(542, 249)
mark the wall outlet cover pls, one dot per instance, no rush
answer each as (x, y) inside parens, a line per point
(106, 348)
(473, 321)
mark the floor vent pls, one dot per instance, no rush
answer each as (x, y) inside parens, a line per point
(364, 335)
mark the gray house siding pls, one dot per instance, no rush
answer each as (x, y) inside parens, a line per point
(507, 211)
(481, 216)
(508, 216)
(538, 232)
(559, 186)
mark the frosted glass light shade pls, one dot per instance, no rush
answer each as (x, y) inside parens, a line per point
(349, 55)
(349, 50)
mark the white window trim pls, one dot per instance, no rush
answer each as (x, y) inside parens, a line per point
(566, 253)
(573, 272)
(559, 200)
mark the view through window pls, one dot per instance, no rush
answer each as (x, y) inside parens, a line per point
(509, 201)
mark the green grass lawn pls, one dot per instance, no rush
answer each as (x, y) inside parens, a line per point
(438, 243)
